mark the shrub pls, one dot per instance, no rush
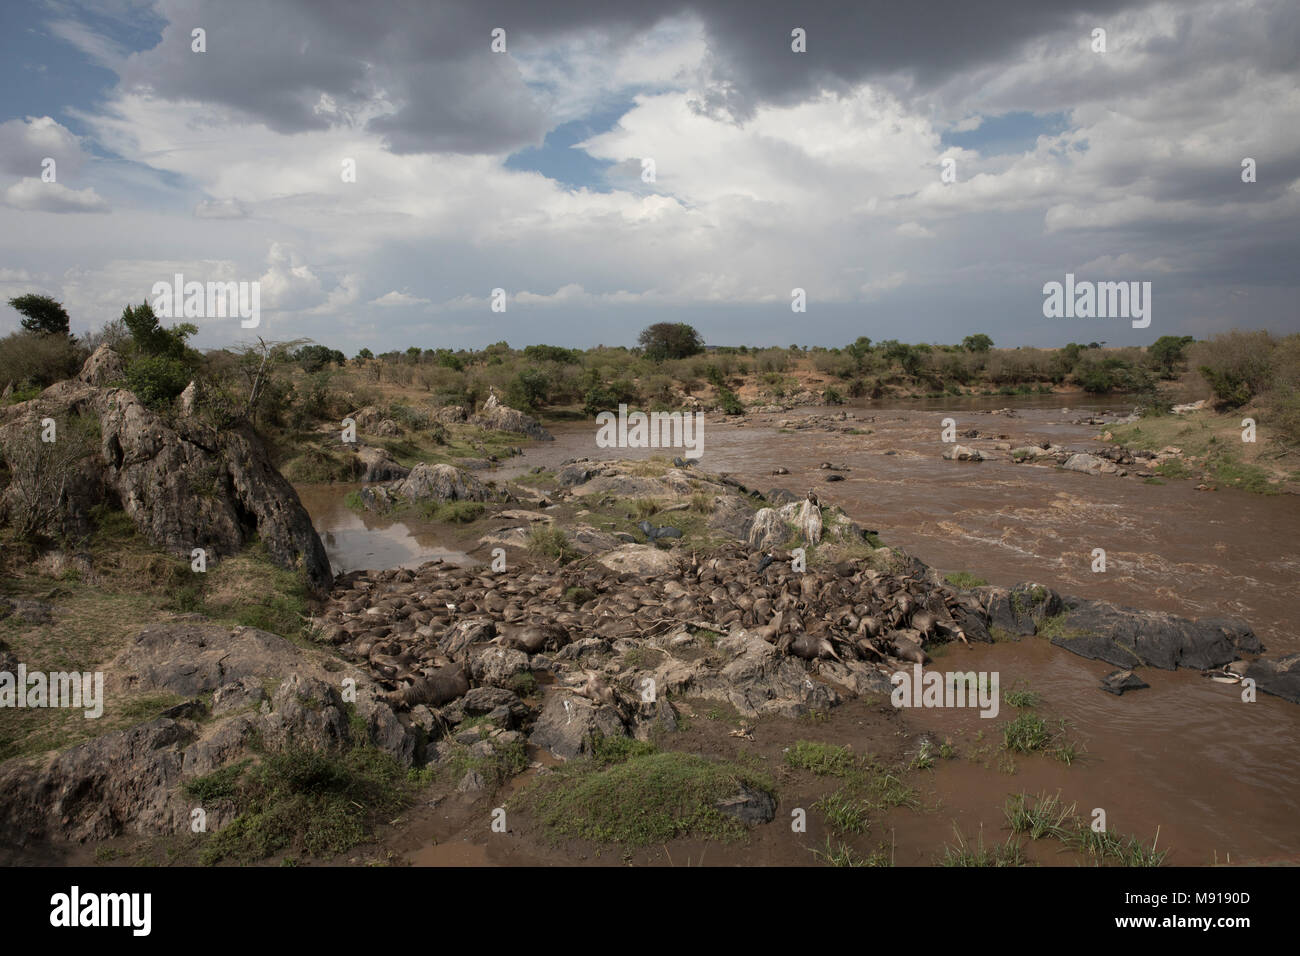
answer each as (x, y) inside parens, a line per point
(34, 359)
(729, 403)
(157, 379)
(1237, 365)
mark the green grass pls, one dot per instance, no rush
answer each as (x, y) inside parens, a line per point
(549, 541)
(1021, 698)
(1046, 816)
(1028, 733)
(1173, 468)
(316, 803)
(844, 855)
(638, 796)
(822, 759)
(964, 580)
(964, 853)
(506, 760)
(844, 813)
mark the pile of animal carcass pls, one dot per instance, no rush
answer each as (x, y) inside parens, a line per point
(736, 626)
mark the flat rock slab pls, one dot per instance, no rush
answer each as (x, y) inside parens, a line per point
(1128, 638)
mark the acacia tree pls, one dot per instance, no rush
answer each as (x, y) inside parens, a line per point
(41, 314)
(670, 340)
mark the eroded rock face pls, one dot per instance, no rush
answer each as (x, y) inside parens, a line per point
(102, 368)
(501, 417)
(119, 782)
(130, 781)
(183, 483)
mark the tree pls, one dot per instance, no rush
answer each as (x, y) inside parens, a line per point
(860, 350)
(365, 354)
(151, 338)
(670, 340)
(979, 342)
(1167, 352)
(41, 314)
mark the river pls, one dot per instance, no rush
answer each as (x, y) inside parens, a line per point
(1218, 776)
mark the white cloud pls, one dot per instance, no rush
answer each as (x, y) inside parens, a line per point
(395, 298)
(32, 194)
(26, 143)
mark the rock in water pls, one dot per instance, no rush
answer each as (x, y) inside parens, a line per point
(500, 417)
(1116, 682)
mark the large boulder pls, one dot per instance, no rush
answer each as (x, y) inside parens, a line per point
(767, 530)
(1126, 637)
(104, 367)
(1280, 677)
(440, 483)
(184, 483)
(499, 417)
(568, 723)
(378, 465)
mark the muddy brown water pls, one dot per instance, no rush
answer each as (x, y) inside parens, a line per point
(1218, 777)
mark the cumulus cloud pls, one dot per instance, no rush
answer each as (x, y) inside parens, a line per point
(395, 298)
(26, 143)
(32, 194)
(774, 170)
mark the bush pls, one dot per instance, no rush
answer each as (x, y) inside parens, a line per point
(34, 359)
(528, 389)
(42, 473)
(605, 398)
(729, 403)
(156, 379)
(1237, 365)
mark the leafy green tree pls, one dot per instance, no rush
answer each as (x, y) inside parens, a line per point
(670, 340)
(860, 350)
(1168, 352)
(41, 314)
(365, 354)
(151, 338)
(979, 342)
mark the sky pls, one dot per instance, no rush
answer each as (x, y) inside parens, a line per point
(773, 170)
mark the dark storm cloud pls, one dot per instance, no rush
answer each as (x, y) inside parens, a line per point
(274, 61)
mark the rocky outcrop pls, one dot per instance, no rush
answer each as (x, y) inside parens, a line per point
(499, 417)
(103, 368)
(962, 453)
(130, 781)
(426, 483)
(1126, 637)
(768, 530)
(378, 465)
(185, 484)
(568, 723)
(1280, 677)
